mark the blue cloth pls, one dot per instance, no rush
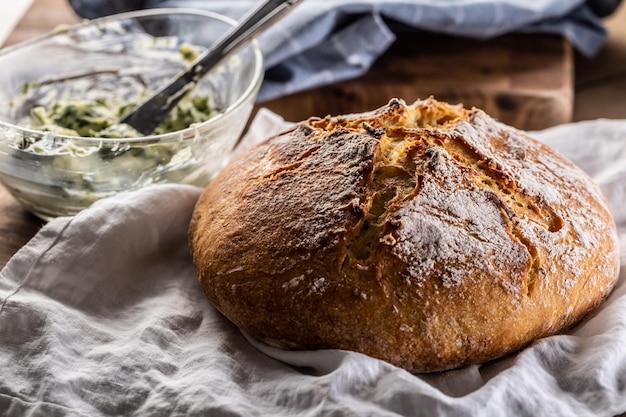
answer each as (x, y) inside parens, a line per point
(321, 41)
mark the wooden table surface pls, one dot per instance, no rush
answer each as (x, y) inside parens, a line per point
(598, 86)
(597, 89)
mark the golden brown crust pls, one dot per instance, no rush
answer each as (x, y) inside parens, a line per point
(428, 236)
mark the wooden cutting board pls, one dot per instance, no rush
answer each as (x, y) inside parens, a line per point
(522, 80)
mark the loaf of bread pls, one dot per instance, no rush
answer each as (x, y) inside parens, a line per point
(429, 236)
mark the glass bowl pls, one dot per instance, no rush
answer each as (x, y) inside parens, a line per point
(118, 57)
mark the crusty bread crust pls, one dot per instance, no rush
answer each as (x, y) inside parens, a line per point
(429, 236)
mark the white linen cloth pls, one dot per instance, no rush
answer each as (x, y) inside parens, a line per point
(101, 315)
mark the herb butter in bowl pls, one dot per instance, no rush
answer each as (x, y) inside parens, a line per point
(62, 95)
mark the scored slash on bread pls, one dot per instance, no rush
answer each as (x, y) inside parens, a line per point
(430, 236)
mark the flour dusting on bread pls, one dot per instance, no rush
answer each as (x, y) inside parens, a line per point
(429, 235)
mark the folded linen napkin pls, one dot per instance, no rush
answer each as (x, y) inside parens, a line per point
(101, 315)
(321, 42)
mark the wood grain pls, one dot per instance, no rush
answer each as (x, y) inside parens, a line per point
(519, 81)
(600, 86)
(600, 89)
(17, 226)
(525, 81)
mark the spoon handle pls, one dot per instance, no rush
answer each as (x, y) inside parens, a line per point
(151, 112)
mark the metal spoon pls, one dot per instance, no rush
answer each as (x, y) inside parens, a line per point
(151, 112)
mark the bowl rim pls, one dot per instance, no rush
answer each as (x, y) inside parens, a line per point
(257, 76)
